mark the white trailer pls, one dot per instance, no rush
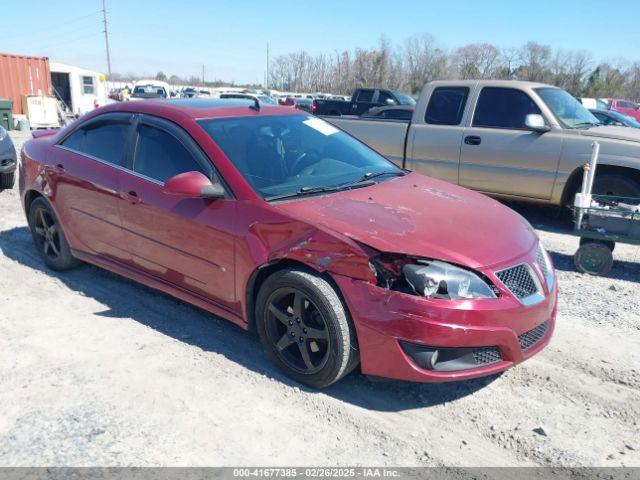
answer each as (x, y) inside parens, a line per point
(80, 89)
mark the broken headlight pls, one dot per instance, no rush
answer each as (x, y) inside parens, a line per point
(431, 279)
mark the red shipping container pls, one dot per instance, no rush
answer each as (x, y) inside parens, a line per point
(22, 75)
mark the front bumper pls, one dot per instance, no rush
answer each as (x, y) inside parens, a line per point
(386, 319)
(8, 158)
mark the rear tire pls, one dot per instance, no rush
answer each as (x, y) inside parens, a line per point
(298, 312)
(49, 238)
(594, 258)
(7, 180)
(612, 184)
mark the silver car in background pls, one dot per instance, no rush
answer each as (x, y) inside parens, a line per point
(8, 160)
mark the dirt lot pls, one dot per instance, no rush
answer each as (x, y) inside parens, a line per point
(97, 370)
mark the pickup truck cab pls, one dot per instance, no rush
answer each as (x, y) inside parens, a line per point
(512, 139)
(362, 100)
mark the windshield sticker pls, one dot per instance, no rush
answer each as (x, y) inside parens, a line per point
(321, 126)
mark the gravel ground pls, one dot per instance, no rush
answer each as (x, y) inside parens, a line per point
(97, 370)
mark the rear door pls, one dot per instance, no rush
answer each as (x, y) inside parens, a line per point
(500, 155)
(86, 167)
(188, 242)
(433, 145)
(363, 101)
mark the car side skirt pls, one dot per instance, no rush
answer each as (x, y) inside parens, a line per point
(162, 286)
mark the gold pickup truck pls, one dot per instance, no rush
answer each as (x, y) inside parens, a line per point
(513, 139)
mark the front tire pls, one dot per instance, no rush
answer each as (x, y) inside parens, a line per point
(49, 238)
(305, 329)
(617, 185)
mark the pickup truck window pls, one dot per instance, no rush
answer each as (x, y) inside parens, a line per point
(503, 108)
(365, 96)
(446, 106)
(285, 154)
(404, 99)
(386, 98)
(625, 104)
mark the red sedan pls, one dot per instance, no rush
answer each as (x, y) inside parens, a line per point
(276, 220)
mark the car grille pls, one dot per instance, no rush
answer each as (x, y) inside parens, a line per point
(518, 280)
(533, 336)
(540, 260)
(485, 355)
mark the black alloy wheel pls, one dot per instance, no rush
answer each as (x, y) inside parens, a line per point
(298, 331)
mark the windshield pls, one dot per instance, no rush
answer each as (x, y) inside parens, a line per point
(284, 154)
(404, 99)
(266, 99)
(567, 110)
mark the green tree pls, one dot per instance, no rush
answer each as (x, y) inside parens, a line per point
(161, 76)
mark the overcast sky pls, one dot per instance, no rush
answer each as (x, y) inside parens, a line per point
(230, 37)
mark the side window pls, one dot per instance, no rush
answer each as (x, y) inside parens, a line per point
(74, 141)
(604, 119)
(87, 85)
(365, 96)
(106, 141)
(446, 105)
(386, 99)
(503, 108)
(627, 105)
(160, 156)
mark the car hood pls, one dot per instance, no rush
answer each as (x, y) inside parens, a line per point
(424, 217)
(618, 133)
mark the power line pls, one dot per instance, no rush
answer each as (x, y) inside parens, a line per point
(44, 45)
(48, 29)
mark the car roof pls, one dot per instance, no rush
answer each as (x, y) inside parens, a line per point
(198, 108)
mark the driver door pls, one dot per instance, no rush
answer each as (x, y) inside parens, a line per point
(500, 155)
(187, 242)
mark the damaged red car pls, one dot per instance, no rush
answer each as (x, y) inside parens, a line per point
(278, 221)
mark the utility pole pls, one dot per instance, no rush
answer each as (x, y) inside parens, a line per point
(106, 36)
(266, 80)
(203, 75)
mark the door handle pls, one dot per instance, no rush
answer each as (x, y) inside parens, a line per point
(472, 140)
(131, 197)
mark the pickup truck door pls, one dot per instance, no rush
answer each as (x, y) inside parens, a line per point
(435, 134)
(500, 155)
(363, 101)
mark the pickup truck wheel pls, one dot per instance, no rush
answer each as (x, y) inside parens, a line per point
(304, 328)
(611, 184)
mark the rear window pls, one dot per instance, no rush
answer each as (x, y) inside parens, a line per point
(106, 141)
(365, 96)
(446, 106)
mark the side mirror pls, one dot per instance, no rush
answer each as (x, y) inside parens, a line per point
(193, 185)
(536, 123)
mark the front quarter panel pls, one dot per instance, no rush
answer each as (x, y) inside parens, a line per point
(266, 236)
(577, 151)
